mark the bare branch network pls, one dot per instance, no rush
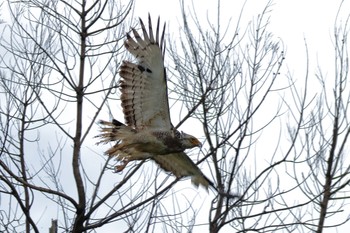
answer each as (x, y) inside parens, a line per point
(274, 146)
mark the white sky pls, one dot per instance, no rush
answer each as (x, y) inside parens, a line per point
(291, 21)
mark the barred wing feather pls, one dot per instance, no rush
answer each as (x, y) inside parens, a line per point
(143, 85)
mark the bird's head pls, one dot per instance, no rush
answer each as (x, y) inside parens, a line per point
(189, 141)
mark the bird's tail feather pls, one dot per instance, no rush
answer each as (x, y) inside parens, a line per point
(124, 149)
(115, 131)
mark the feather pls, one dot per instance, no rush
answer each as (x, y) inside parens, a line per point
(148, 133)
(181, 165)
(143, 85)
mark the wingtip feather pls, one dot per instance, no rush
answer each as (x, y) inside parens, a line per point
(200, 180)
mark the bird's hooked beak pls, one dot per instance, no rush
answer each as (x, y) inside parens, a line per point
(195, 142)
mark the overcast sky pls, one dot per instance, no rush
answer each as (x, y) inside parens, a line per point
(291, 21)
(294, 22)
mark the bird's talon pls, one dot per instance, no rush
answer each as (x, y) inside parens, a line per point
(121, 167)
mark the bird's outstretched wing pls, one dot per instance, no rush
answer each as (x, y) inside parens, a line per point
(149, 133)
(181, 166)
(143, 84)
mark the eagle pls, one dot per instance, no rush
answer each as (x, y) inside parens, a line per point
(148, 132)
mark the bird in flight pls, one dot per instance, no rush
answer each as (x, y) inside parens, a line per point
(148, 132)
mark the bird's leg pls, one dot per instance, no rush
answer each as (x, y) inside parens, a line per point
(119, 168)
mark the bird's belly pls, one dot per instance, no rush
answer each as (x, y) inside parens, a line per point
(153, 144)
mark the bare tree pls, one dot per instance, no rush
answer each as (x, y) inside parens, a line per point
(59, 75)
(59, 67)
(323, 143)
(230, 80)
(227, 84)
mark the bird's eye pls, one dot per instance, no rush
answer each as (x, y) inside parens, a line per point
(178, 134)
(182, 135)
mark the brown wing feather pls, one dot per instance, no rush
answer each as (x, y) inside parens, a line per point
(143, 85)
(145, 105)
(181, 166)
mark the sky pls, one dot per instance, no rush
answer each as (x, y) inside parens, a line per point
(299, 24)
(294, 22)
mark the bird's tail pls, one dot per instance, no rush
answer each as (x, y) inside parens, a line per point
(119, 133)
(115, 131)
